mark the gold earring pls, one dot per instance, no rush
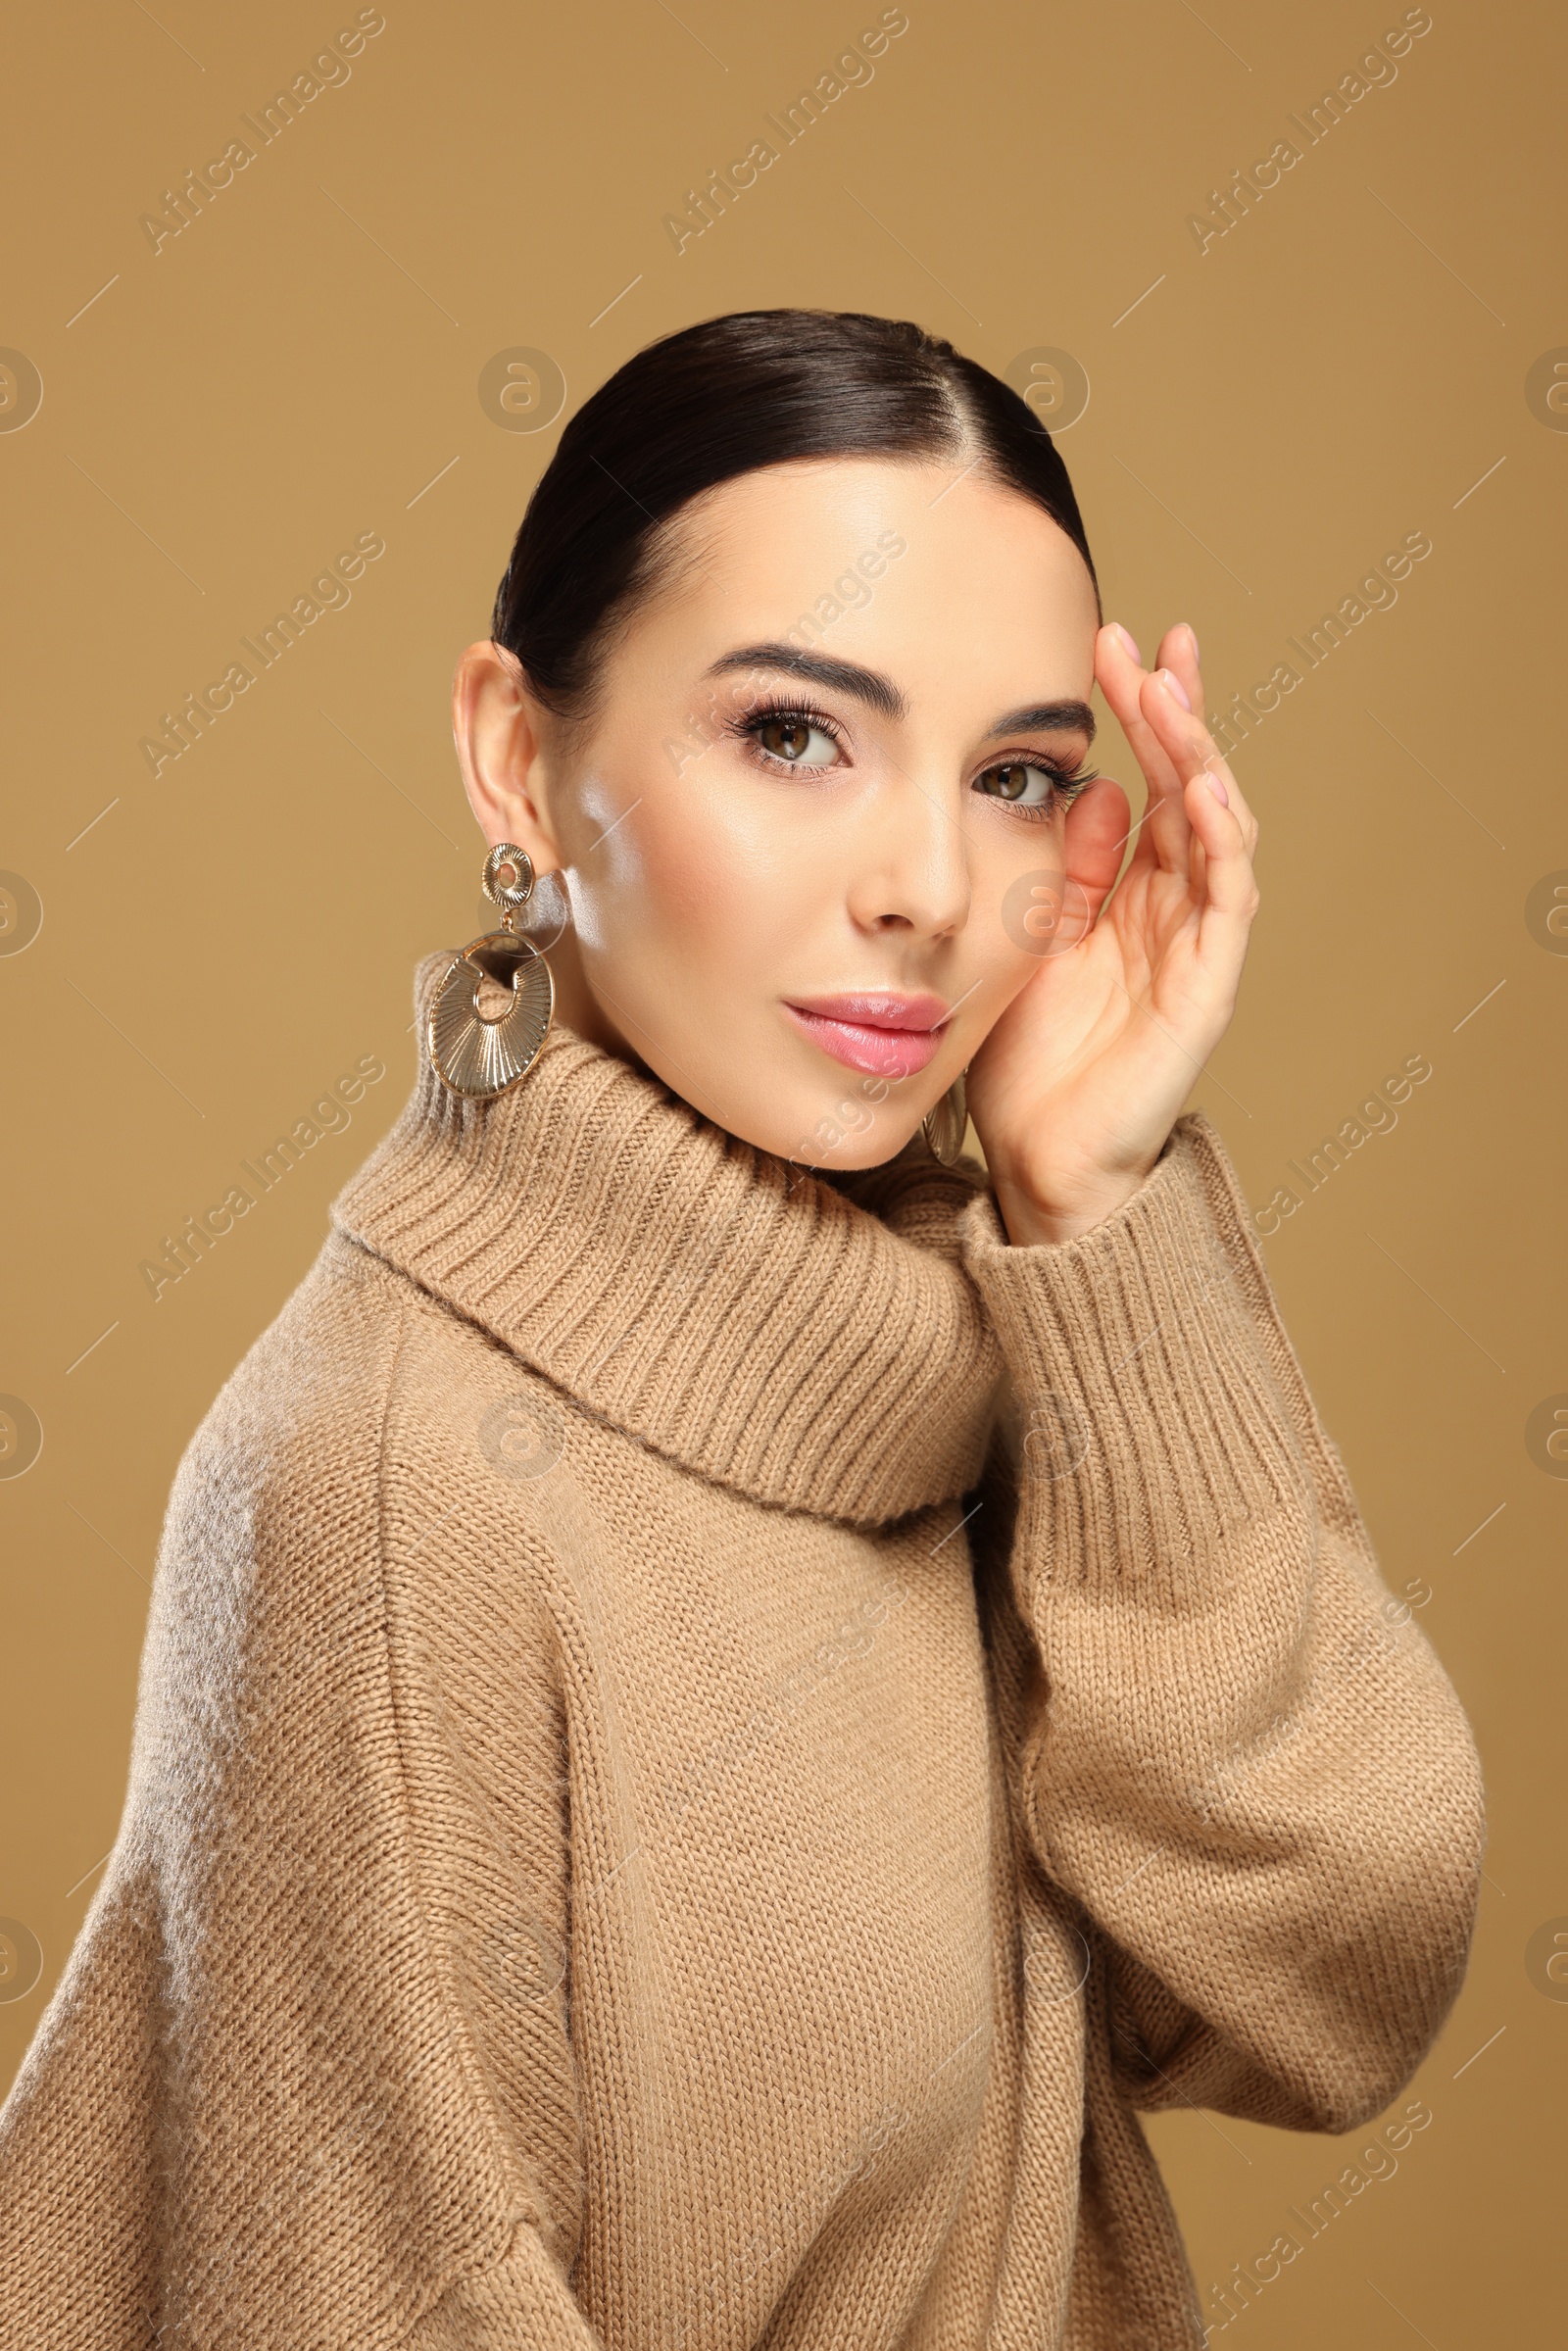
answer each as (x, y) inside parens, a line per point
(947, 1122)
(480, 1053)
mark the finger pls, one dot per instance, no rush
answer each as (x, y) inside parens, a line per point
(1120, 674)
(1229, 886)
(1235, 799)
(1093, 839)
(1123, 680)
(1178, 650)
(1221, 831)
(1182, 739)
(1189, 746)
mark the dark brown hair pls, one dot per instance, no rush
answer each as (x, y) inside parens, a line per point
(718, 400)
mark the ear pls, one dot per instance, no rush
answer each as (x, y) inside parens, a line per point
(498, 725)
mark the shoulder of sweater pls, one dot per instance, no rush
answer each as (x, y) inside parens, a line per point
(347, 1741)
(269, 1557)
(334, 1580)
(359, 1430)
(300, 1405)
(315, 1388)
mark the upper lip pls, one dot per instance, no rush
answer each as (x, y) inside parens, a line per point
(883, 1009)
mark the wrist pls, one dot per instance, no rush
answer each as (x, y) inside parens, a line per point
(1044, 1214)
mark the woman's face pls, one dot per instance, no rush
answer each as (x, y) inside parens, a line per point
(805, 829)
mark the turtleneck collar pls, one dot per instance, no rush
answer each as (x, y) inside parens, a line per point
(817, 1346)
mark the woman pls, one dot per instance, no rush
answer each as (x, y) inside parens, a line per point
(731, 1694)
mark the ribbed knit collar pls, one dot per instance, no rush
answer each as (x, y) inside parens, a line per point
(815, 1345)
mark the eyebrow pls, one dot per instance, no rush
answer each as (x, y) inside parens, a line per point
(844, 677)
(1065, 717)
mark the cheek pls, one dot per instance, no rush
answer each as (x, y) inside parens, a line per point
(1022, 913)
(693, 883)
(699, 875)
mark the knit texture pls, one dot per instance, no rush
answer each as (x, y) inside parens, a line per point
(706, 1739)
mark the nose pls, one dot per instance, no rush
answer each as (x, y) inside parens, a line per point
(911, 865)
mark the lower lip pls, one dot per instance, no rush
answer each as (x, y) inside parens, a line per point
(881, 1053)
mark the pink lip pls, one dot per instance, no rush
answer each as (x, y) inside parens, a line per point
(889, 1036)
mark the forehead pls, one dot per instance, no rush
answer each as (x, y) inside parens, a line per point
(927, 569)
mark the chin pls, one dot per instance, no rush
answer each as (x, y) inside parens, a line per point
(836, 1121)
(837, 1136)
(874, 1149)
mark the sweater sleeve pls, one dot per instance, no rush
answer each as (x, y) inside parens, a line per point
(1238, 1754)
(307, 2078)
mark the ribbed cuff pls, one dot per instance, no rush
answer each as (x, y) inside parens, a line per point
(1146, 1356)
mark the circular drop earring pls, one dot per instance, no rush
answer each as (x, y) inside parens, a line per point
(477, 1048)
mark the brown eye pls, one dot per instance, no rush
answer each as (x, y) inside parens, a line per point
(786, 738)
(794, 740)
(1020, 783)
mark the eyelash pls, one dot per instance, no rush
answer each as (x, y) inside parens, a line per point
(786, 714)
(1066, 783)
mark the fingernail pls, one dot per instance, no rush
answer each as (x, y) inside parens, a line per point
(1216, 787)
(1174, 687)
(1129, 642)
(1193, 633)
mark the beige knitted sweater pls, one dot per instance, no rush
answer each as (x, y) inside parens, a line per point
(645, 1830)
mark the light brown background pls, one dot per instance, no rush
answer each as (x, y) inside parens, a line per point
(218, 944)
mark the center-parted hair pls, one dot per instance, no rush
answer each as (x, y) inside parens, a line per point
(723, 399)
